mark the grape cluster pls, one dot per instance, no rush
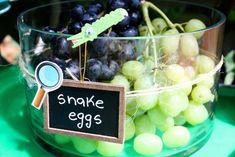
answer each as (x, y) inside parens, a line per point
(109, 55)
(105, 55)
(80, 16)
(129, 26)
(61, 49)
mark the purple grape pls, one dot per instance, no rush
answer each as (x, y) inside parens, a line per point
(109, 34)
(127, 54)
(98, 4)
(114, 47)
(112, 34)
(134, 4)
(114, 66)
(104, 59)
(94, 9)
(89, 17)
(61, 48)
(99, 48)
(94, 68)
(77, 12)
(124, 23)
(48, 37)
(74, 27)
(135, 17)
(115, 4)
(129, 32)
(109, 71)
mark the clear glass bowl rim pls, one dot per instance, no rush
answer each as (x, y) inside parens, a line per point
(221, 21)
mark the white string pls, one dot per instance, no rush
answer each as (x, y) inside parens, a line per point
(154, 90)
(72, 75)
(177, 86)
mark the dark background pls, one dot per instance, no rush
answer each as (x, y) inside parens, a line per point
(8, 20)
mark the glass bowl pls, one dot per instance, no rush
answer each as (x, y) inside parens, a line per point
(162, 87)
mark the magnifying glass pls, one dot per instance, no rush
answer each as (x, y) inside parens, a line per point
(49, 77)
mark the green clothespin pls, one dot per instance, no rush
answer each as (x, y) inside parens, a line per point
(91, 31)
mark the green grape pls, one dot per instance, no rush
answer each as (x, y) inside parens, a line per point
(195, 114)
(191, 102)
(161, 121)
(174, 72)
(146, 102)
(189, 46)
(204, 64)
(62, 139)
(176, 136)
(207, 81)
(161, 78)
(172, 103)
(129, 128)
(122, 81)
(169, 124)
(149, 65)
(109, 149)
(131, 108)
(133, 69)
(130, 103)
(148, 144)
(186, 88)
(135, 112)
(202, 94)
(144, 125)
(190, 72)
(170, 43)
(143, 30)
(143, 82)
(194, 25)
(159, 24)
(179, 120)
(84, 145)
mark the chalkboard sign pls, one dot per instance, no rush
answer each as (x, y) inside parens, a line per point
(86, 109)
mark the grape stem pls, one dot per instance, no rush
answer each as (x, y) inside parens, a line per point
(147, 20)
(85, 61)
(101, 14)
(151, 32)
(80, 61)
(179, 26)
(147, 5)
(145, 9)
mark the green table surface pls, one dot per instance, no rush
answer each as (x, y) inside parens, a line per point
(16, 139)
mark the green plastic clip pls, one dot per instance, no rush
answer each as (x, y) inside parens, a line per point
(91, 31)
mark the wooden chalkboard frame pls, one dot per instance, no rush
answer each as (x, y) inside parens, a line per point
(97, 86)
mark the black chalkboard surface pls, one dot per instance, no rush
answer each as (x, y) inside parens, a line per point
(94, 110)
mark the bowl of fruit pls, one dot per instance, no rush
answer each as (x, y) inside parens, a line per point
(166, 54)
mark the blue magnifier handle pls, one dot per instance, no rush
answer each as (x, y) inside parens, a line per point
(39, 97)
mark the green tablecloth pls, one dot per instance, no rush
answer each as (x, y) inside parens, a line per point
(16, 139)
